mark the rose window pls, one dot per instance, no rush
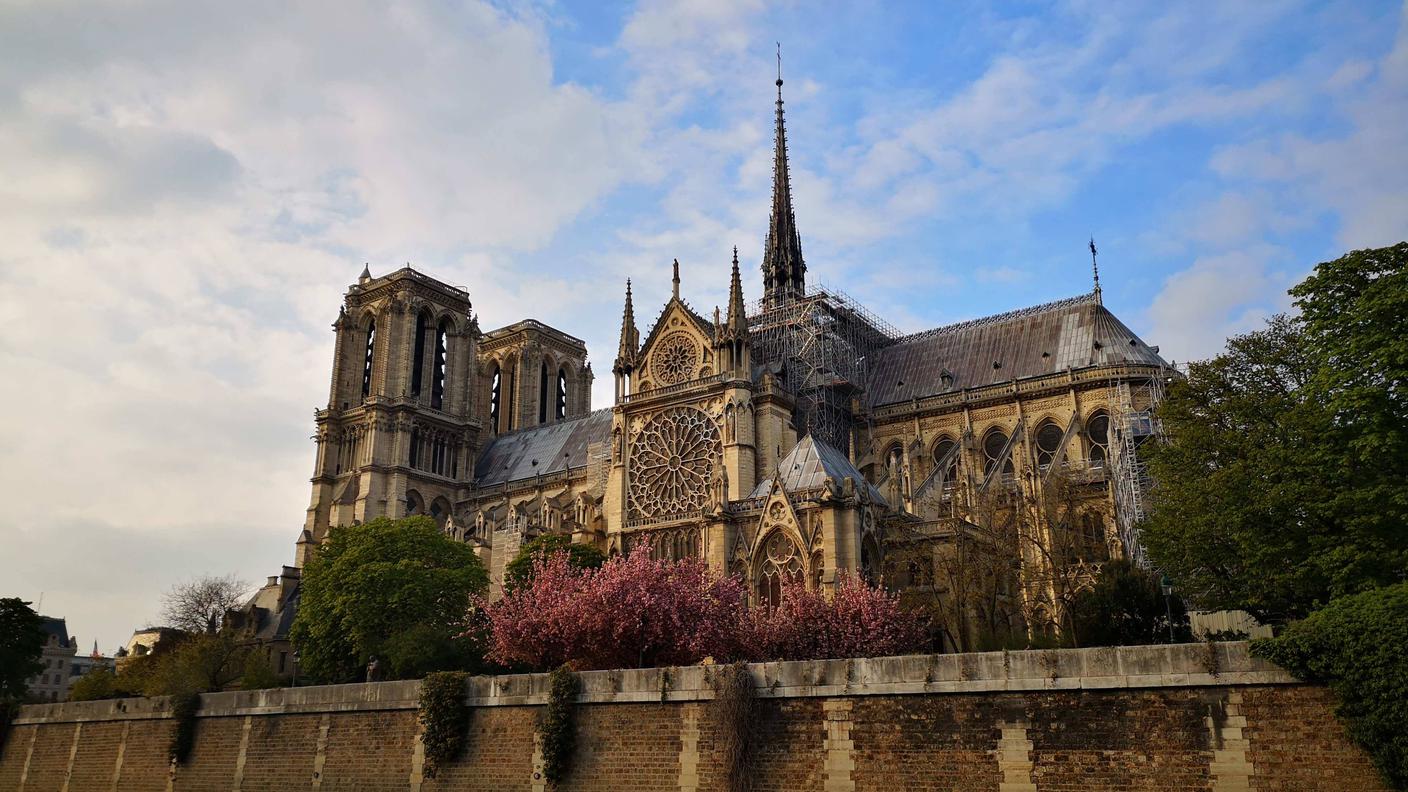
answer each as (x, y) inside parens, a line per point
(672, 458)
(676, 360)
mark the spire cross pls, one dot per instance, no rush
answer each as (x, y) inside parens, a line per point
(1094, 265)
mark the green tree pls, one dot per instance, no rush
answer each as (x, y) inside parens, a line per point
(377, 588)
(21, 646)
(1127, 607)
(1355, 644)
(100, 683)
(1285, 479)
(581, 556)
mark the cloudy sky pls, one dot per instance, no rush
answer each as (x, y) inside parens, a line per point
(187, 188)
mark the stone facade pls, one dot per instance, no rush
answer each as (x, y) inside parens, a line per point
(795, 436)
(1149, 718)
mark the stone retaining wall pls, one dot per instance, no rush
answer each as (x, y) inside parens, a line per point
(1185, 717)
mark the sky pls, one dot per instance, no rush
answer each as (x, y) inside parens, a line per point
(187, 188)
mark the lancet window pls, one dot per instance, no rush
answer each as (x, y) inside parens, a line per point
(780, 563)
(1097, 429)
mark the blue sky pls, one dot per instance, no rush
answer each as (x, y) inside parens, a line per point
(187, 188)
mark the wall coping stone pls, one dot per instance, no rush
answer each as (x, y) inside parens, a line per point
(1106, 668)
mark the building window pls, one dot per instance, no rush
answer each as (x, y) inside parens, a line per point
(418, 360)
(367, 361)
(1048, 444)
(779, 559)
(283, 661)
(561, 394)
(942, 451)
(495, 397)
(437, 384)
(543, 395)
(994, 444)
(1098, 430)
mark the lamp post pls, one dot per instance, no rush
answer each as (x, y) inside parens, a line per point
(295, 668)
(1166, 586)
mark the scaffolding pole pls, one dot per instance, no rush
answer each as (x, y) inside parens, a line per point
(1134, 421)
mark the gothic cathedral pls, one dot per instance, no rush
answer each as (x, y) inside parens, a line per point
(985, 469)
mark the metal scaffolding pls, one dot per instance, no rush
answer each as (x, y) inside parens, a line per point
(818, 344)
(1133, 421)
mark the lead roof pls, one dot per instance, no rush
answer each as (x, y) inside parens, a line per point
(541, 449)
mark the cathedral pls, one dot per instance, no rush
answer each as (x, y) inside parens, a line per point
(984, 468)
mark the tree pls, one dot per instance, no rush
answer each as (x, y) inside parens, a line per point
(100, 683)
(1127, 607)
(1355, 644)
(579, 556)
(1284, 481)
(858, 620)
(372, 587)
(633, 612)
(199, 605)
(21, 646)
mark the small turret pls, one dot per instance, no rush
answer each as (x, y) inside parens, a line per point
(629, 347)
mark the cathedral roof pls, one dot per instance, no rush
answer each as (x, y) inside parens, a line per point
(808, 465)
(541, 449)
(1075, 333)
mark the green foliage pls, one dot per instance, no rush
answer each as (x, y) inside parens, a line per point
(735, 714)
(386, 588)
(21, 645)
(200, 664)
(1285, 479)
(580, 556)
(444, 717)
(184, 707)
(257, 675)
(1126, 607)
(100, 683)
(1356, 645)
(558, 728)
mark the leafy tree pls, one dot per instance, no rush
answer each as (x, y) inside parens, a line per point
(633, 612)
(1126, 607)
(374, 587)
(21, 646)
(1285, 479)
(1356, 645)
(100, 683)
(580, 556)
(859, 620)
(199, 605)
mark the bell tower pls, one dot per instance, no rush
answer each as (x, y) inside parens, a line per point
(398, 435)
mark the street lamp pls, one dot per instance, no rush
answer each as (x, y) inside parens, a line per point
(1166, 586)
(295, 668)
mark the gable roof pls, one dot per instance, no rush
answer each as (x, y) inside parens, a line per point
(808, 465)
(702, 324)
(1074, 333)
(541, 449)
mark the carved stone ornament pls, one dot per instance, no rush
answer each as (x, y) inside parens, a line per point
(671, 463)
(675, 359)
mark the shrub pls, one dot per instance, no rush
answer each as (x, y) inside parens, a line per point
(1127, 607)
(520, 569)
(444, 718)
(860, 620)
(184, 707)
(558, 729)
(1355, 644)
(100, 683)
(632, 612)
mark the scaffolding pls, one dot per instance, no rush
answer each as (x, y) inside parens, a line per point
(817, 344)
(1134, 422)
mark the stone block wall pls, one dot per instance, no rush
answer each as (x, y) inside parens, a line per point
(1135, 718)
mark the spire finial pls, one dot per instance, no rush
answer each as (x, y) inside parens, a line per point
(630, 336)
(1095, 266)
(784, 271)
(675, 281)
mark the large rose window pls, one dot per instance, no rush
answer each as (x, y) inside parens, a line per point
(672, 459)
(676, 359)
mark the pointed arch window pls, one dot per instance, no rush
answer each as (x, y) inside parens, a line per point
(944, 455)
(1048, 444)
(367, 358)
(543, 394)
(561, 411)
(495, 397)
(1097, 429)
(781, 562)
(437, 383)
(994, 444)
(418, 360)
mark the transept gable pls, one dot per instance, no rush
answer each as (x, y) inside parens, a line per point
(678, 349)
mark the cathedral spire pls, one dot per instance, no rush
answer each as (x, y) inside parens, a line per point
(784, 272)
(630, 336)
(737, 319)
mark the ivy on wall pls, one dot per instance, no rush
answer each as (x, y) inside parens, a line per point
(444, 718)
(184, 707)
(558, 729)
(735, 712)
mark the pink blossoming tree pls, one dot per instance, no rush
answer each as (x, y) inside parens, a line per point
(859, 620)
